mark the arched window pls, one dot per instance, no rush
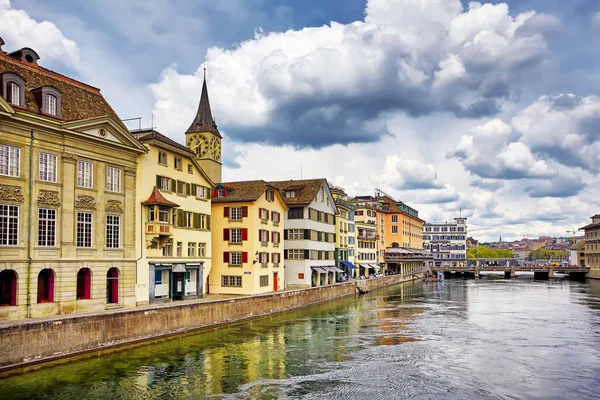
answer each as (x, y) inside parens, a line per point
(84, 280)
(14, 94)
(8, 288)
(50, 104)
(13, 88)
(112, 286)
(45, 286)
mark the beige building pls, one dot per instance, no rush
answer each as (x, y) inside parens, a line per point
(174, 227)
(344, 232)
(365, 221)
(592, 247)
(248, 238)
(67, 195)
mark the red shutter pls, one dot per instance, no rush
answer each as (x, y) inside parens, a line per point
(244, 234)
(244, 257)
(226, 257)
(214, 193)
(226, 234)
(267, 236)
(273, 237)
(226, 212)
(267, 258)
(260, 213)
(244, 211)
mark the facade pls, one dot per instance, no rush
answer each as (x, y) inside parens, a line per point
(577, 254)
(67, 195)
(447, 242)
(365, 222)
(592, 247)
(174, 228)
(309, 235)
(248, 238)
(344, 232)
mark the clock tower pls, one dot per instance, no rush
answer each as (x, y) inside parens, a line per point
(204, 139)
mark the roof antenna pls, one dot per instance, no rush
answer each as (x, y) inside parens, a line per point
(205, 64)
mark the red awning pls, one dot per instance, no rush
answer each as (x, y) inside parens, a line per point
(156, 198)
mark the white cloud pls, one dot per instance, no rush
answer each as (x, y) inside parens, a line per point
(18, 30)
(596, 18)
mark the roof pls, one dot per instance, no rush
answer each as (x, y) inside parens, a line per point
(156, 198)
(591, 226)
(243, 191)
(79, 101)
(204, 121)
(578, 245)
(146, 135)
(306, 190)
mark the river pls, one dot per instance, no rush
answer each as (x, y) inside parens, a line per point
(459, 339)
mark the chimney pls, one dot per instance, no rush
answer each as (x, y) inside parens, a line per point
(1, 44)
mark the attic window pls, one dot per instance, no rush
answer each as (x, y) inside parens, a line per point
(49, 100)
(50, 104)
(270, 195)
(221, 193)
(13, 89)
(290, 194)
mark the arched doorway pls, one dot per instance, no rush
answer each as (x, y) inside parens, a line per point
(112, 286)
(45, 292)
(84, 280)
(8, 288)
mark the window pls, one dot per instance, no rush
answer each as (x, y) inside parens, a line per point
(235, 258)
(83, 284)
(275, 257)
(295, 234)
(263, 236)
(394, 218)
(10, 160)
(235, 236)
(164, 183)
(45, 286)
(50, 104)
(296, 213)
(263, 214)
(14, 94)
(290, 194)
(8, 287)
(190, 169)
(84, 229)
(201, 249)
(162, 157)
(167, 250)
(85, 171)
(270, 195)
(163, 215)
(112, 286)
(201, 192)
(394, 229)
(295, 254)
(113, 223)
(235, 213)
(221, 193)
(276, 217)
(47, 167)
(178, 249)
(300, 276)
(113, 179)
(46, 227)
(188, 219)
(191, 249)
(9, 225)
(229, 280)
(180, 187)
(177, 164)
(264, 280)
(276, 237)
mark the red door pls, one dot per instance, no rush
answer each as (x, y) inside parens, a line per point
(274, 281)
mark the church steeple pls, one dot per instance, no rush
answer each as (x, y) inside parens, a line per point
(204, 121)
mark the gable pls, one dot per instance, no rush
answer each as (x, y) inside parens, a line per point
(104, 128)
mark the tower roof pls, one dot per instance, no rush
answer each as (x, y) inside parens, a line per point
(204, 121)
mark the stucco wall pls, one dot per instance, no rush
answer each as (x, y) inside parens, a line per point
(41, 340)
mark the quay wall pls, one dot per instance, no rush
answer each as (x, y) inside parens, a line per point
(28, 342)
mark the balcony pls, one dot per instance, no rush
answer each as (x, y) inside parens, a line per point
(159, 229)
(366, 236)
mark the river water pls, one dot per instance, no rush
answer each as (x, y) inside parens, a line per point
(459, 339)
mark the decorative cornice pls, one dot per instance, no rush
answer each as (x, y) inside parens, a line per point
(11, 193)
(69, 158)
(84, 201)
(129, 171)
(49, 198)
(114, 206)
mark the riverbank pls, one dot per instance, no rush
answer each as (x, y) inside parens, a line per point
(30, 342)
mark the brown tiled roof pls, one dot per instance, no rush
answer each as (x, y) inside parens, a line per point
(145, 135)
(306, 190)
(391, 205)
(590, 226)
(79, 101)
(204, 121)
(243, 191)
(578, 246)
(156, 198)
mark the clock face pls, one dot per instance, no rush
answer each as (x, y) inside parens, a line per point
(215, 148)
(198, 144)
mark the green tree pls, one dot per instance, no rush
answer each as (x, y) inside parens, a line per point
(486, 252)
(545, 254)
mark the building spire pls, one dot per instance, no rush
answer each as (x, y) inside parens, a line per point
(204, 121)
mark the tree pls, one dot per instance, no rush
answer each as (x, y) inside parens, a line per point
(486, 252)
(545, 254)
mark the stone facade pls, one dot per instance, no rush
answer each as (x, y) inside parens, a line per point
(592, 247)
(447, 241)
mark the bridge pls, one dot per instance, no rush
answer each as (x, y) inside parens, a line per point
(510, 267)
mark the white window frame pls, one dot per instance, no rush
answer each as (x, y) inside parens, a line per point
(48, 167)
(113, 179)
(47, 234)
(235, 213)
(394, 219)
(15, 91)
(191, 249)
(51, 104)
(85, 174)
(234, 234)
(165, 183)
(82, 236)
(264, 236)
(202, 221)
(395, 228)
(201, 249)
(8, 220)
(113, 231)
(262, 258)
(235, 258)
(10, 161)
(189, 219)
(200, 192)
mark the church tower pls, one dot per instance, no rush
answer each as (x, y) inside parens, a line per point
(204, 139)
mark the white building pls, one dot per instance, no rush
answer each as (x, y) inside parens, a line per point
(309, 237)
(447, 242)
(365, 222)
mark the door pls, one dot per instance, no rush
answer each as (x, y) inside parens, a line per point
(274, 281)
(178, 286)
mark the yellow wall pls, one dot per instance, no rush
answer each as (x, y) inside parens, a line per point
(249, 271)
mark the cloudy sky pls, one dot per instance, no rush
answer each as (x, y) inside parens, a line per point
(488, 108)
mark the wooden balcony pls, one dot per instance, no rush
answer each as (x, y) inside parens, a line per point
(159, 229)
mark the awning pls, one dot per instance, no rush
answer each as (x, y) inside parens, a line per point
(179, 268)
(366, 266)
(319, 270)
(338, 269)
(375, 267)
(349, 264)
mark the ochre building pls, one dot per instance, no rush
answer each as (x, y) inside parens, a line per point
(592, 247)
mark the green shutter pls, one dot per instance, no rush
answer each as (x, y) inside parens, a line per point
(208, 222)
(193, 190)
(158, 181)
(285, 234)
(173, 185)
(307, 254)
(196, 220)
(180, 217)
(188, 189)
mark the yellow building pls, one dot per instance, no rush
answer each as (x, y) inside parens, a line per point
(174, 227)
(344, 232)
(247, 244)
(67, 194)
(592, 247)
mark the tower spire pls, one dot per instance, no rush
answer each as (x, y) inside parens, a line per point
(204, 121)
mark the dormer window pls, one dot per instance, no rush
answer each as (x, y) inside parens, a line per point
(290, 194)
(49, 100)
(13, 89)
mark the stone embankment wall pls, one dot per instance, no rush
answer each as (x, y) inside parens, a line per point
(34, 341)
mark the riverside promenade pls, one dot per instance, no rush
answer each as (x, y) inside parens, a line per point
(41, 340)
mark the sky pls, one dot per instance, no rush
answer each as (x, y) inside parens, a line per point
(484, 110)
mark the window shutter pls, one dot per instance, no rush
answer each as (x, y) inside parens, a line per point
(260, 213)
(226, 234)
(226, 257)
(285, 254)
(208, 222)
(307, 254)
(196, 220)
(244, 257)
(180, 217)
(244, 234)
(244, 211)
(285, 234)
(333, 222)
(273, 237)
(194, 189)
(226, 212)
(188, 189)
(307, 234)
(267, 257)
(158, 181)
(334, 237)
(267, 235)
(214, 193)
(173, 185)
